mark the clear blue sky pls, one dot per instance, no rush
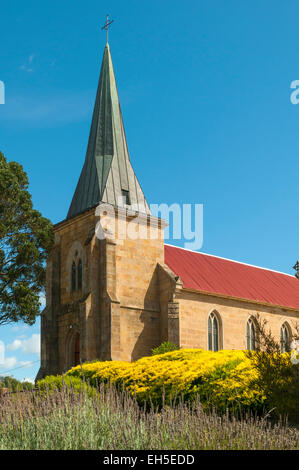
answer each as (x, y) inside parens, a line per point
(205, 94)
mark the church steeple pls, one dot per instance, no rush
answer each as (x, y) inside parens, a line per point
(107, 175)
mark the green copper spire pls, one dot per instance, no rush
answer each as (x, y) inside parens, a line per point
(107, 174)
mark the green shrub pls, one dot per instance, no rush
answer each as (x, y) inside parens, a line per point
(59, 382)
(275, 374)
(165, 347)
(280, 379)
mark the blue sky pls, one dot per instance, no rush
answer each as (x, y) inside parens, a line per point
(205, 94)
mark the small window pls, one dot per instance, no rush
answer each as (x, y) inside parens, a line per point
(80, 274)
(213, 333)
(250, 335)
(284, 339)
(73, 276)
(126, 197)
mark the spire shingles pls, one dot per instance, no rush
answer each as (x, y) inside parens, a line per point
(107, 174)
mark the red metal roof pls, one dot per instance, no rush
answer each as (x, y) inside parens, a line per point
(207, 273)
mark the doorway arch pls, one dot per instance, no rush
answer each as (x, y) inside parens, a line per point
(73, 349)
(77, 350)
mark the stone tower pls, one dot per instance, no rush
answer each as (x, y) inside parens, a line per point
(102, 292)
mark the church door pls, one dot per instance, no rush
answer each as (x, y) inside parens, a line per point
(77, 350)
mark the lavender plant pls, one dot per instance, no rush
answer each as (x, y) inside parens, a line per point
(112, 420)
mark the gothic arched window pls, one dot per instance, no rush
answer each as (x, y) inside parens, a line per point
(213, 332)
(74, 276)
(250, 335)
(284, 338)
(80, 274)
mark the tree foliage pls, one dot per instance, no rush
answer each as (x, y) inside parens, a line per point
(25, 240)
(277, 375)
(15, 385)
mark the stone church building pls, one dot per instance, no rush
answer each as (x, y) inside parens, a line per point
(111, 297)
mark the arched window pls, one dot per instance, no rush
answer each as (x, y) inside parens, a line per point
(80, 274)
(284, 338)
(250, 335)
(213, 332)
(74, 276)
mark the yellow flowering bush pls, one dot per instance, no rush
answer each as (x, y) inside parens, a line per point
(221, 379)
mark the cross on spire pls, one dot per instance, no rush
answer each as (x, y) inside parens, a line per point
(107, 25)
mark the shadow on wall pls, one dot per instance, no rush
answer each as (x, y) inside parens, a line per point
(149, 337)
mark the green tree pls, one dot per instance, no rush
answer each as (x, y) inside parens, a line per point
(14, 384)
(25, 240)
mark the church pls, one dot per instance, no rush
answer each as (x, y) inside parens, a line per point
(112, 297)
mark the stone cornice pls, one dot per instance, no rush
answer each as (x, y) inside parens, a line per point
(122, 213)
(129, 215)
(67, 222)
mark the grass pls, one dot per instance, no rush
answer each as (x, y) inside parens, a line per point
(112, 420)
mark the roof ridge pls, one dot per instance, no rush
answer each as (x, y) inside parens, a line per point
(232, 260)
